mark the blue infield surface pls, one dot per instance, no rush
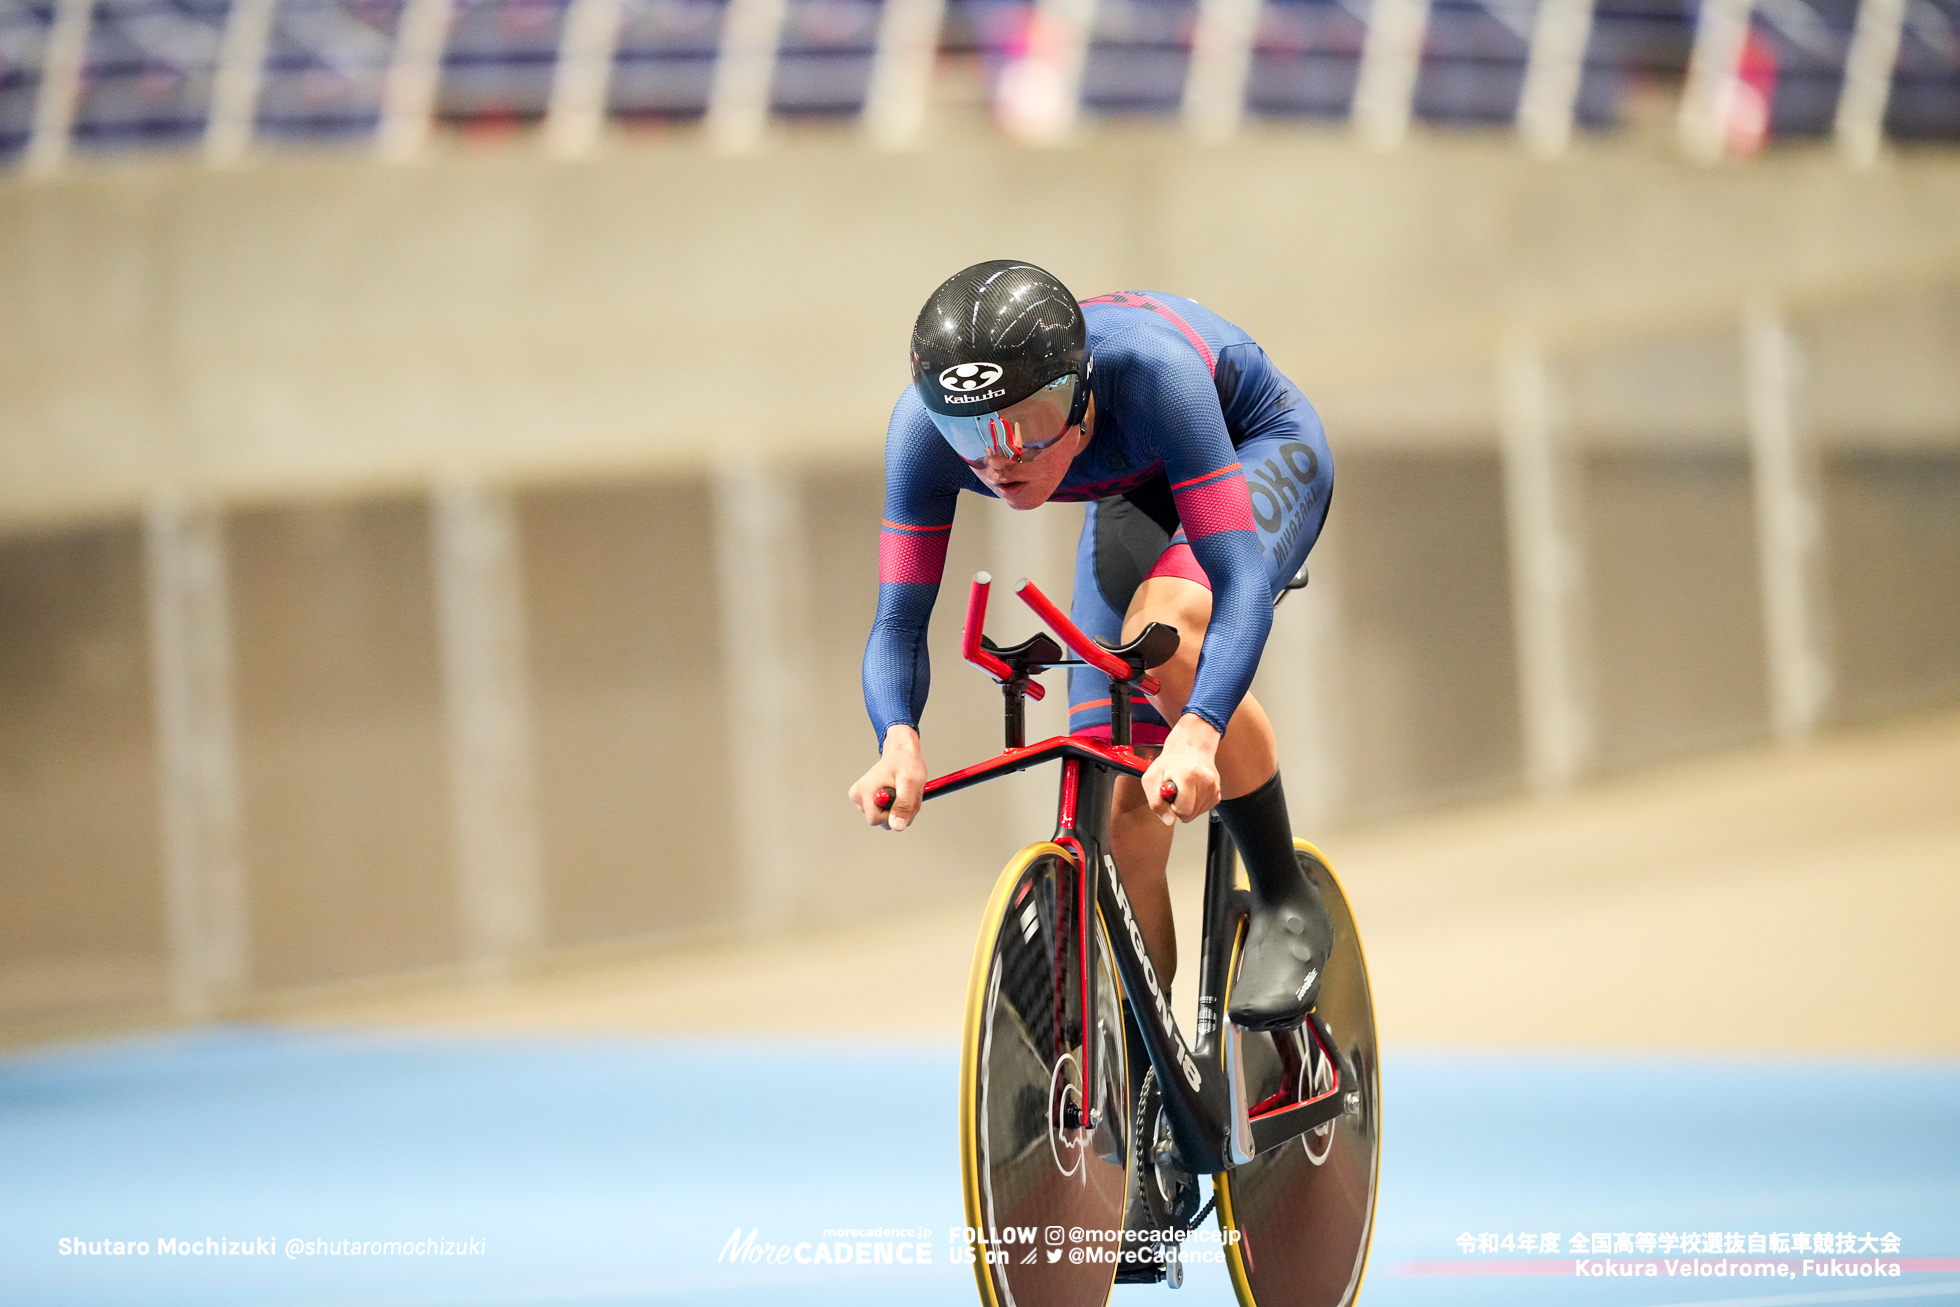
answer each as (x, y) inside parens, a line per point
(538, 1171)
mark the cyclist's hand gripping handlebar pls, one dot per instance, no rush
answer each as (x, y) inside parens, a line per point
(889, 792)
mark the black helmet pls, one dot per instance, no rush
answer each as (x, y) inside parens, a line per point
(994, 334)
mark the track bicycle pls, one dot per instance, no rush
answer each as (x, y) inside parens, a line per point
(1073, 1182)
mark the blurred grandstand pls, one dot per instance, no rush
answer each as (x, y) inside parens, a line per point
(98, 76)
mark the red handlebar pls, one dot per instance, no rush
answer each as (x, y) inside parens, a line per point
(883, 797)
(970, 647)
(1167, 791)
(1072, 635)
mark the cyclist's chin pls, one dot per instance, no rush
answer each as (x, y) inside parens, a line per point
(1025, 494)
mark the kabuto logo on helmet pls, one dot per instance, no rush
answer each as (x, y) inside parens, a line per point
(970, 376)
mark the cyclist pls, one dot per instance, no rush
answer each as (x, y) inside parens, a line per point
(1207, 476)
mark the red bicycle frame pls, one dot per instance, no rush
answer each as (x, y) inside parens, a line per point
(1213, 1125)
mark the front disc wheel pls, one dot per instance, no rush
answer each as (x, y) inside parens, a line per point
(1044, 1093)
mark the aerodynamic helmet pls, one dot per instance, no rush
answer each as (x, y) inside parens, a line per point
(991, 336)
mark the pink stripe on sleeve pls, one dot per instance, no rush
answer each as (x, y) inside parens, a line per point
(1220, 505)
(913, 559)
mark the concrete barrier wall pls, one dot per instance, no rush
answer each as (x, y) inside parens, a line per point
(624, 353)
(330, 324)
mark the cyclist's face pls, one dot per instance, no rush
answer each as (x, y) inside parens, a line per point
(1028, 481)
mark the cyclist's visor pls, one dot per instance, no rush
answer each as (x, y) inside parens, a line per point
(1017, 431)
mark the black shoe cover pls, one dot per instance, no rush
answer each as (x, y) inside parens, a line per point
(1290, 936)
(1286, 950)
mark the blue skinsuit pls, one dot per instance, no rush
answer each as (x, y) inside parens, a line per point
(1185, 403)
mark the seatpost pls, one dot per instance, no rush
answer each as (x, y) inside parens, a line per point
(1119, 713)
(1014, 694)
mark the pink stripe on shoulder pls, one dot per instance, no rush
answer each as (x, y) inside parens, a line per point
(1145, 302)
(912, 559)
(1220, 505)
(1190, 334)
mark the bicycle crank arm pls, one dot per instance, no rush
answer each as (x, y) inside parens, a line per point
(1275, 1128)
(1249, 1136)
(1271, 1129)
(1241, 1144)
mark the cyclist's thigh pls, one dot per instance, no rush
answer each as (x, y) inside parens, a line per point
(1290, 476)
(1118, 546)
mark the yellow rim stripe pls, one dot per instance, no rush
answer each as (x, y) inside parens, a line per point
(976, 1003)
(1375, 1168)
(1221, 1183)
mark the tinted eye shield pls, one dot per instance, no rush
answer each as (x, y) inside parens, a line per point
(1015, 432)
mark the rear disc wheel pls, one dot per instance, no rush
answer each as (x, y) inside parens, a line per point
(1305, 1209)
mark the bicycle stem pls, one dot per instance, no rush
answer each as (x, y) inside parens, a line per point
(1015, 668)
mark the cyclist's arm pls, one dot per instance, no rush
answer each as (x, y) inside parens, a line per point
(1216, 512)
(922, 483)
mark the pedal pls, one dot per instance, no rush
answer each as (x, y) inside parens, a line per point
(1153, 1268)
(1146, 1270)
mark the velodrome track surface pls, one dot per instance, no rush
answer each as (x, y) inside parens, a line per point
(1715, 997)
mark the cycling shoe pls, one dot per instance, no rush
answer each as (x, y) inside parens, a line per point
(1286, 952)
